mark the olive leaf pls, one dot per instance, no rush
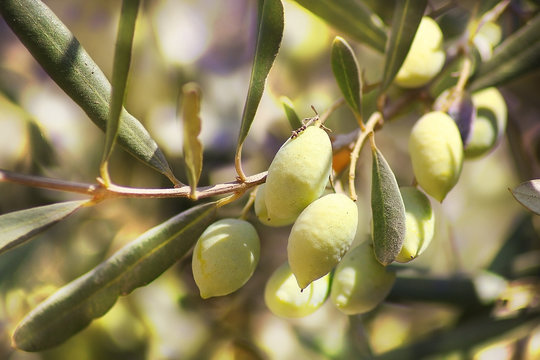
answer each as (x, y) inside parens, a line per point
(20, 226)
(268, 42)
(345, 69)
(90, 296)
(193, 150)
(517, 55)
(387, 209)
(61, 55)
(405, 21)
(122, 60)
(293, 118)
(528, 195)
(41, 148)
(353, 18)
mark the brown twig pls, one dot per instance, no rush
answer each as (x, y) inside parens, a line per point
(101, 192)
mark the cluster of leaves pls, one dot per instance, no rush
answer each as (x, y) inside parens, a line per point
(56, 49)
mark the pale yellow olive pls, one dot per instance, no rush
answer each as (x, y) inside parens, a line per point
(320, 237)
(298, 175)
(425, 58)
(225, 257)
(262, 213)
(489, 124)
(360, 282)
(419, 224)
(436, 152)
(486, 38)
(285, 299)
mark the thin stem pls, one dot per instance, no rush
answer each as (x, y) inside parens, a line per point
(238, 163)
(331, 109)
(100, 192)
(370, 126)
(47, 183)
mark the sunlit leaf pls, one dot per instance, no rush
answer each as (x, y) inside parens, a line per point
(405, 21)
(268, 43)
(345, 68)
(20, 226)
(90, 296)
(387, 210)
(517, 55)
(193, 151)
(352, 18)
(528, 195)
(293, 118)
(61, 55)
(122, 60)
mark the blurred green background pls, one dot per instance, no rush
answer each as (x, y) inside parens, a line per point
(42, 132)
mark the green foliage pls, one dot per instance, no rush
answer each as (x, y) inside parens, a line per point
(268, 43)
(69, 65)
(193, 151)
(20, 226)
(90, 296)
(352, 18)
(387, 210)
(407, 16)
(345, 68)
(517, 55)
(528, 195)
(122, 60)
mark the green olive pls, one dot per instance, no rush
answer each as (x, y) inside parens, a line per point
(425, 58)
(489, 124)
(298, 175)
(320, 237)
(419, 224)
(285, 299)
(436, 152)
(360, 282)
(225, 257)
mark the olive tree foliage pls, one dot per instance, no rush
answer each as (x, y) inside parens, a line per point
(440, 64)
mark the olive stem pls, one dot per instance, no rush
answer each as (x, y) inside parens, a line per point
(370, 126)
(100, 191)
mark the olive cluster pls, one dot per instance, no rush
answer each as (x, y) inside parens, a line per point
(440, 140)
(320, 261)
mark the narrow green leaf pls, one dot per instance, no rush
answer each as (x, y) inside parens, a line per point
(405, 21)
(517, 55)
(345, 68)
(43, 152)
(61, 55)
(528, 195)
(20, 226)
(387, 210)
(90, 296)
(193, 151)
(268, 43)
(293, 118)
(352, 18)
(121, 63)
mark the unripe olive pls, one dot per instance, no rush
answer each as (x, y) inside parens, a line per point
(284, 298)
(486, 38)
(436, 152)
(298, 174)
(425, 58)
(320, 237)
(360, 282)
(419, 224)
(262, 213)
(489, 124)
(225, 257)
